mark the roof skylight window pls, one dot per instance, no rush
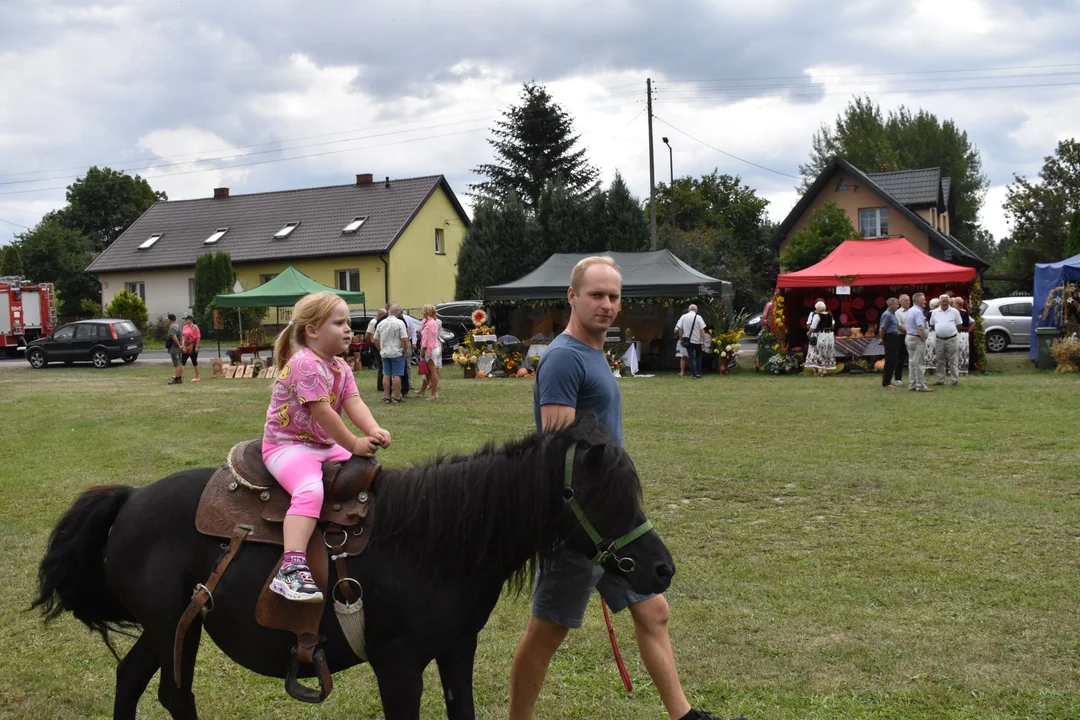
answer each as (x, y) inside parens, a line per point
(216, 236)
(149, 242)
(286, 231)
(354, 225)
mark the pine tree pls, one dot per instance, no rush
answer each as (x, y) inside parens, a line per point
(497, 248)
(11, 262)
(534, 145)
(624, 227)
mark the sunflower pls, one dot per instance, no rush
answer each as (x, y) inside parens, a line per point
(479, 317)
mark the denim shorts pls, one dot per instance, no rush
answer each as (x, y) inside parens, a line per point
(561, 593)
(176, 356)
(393, 366)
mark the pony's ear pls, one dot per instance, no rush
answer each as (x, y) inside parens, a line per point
(593, 459)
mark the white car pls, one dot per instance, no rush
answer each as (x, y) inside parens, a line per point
(1007, 321)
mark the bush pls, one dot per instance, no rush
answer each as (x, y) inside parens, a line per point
(158, 329)
(128, 306)
(89, 309)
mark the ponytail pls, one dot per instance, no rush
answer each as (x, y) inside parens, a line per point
(311, 310)
(283, 347)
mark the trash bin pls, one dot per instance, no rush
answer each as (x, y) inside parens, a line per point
(1045, 337)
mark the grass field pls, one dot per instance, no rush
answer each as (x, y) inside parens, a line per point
(842, 553)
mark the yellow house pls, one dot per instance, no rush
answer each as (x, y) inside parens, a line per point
(395, 240)
(913, 204)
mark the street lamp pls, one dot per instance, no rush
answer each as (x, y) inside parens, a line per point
(671, 162)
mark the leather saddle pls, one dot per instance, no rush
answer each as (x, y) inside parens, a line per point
(243, 502)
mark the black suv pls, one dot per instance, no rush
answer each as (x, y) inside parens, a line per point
(456, 322)
(96, 341)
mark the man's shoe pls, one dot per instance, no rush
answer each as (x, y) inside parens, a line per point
(295, 583)
(898, 383)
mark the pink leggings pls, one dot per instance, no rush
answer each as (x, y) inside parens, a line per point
(298, 469)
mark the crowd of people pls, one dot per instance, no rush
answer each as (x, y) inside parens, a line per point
(396, 340)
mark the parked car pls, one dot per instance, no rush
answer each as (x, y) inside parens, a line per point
(456, 321)
(753, 325)
(96, 341)
(1007, 321)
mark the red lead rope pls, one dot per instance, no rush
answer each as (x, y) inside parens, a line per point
(615, 647)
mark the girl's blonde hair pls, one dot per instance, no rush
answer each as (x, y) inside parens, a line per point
(428, 310)
(312, 309)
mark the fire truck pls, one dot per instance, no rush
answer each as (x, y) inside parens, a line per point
(27, 312)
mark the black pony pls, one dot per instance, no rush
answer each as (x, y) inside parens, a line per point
(448, 536)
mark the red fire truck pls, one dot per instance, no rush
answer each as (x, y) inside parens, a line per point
(27, 312)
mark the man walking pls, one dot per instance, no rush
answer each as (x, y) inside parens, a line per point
(173, 340)
(889, 334)
(574, 377)
(915, 340)
(946, 322)
(902, 356)
(392, 341)
(691, 329)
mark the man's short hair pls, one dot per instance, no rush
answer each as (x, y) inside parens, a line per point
(917, 296)
(905, 295)
(892, 301)
(578, 273)
(692, 308)
(172, 317)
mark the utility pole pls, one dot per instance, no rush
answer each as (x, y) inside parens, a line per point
(652, 170)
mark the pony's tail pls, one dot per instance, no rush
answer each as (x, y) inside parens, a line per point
(283, 348)
(71, 577)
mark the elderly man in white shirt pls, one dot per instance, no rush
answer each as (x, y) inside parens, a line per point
(691, 327)
(945, 321)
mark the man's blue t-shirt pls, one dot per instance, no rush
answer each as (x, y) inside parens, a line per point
(573, 374)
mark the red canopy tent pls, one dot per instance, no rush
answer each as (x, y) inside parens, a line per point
(866, 263)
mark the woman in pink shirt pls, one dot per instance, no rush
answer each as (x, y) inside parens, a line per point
(430, 351)
(192, 338)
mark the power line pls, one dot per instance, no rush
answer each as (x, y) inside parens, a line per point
(881, 74)
(913, 81)
(884, 91)
(723, 152)
(13, 223)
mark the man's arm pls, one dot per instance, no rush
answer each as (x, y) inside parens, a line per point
(553, 417)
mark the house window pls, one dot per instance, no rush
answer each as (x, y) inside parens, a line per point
(354, 225)
(149, 242)
(191, 292)
(286, 231)
(216, 236)
(874, 222)
(348, 280)
(263, 279)
(440, 249)
(136, 288)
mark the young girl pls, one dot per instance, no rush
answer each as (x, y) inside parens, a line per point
(304, 427)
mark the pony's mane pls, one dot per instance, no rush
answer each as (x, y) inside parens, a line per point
(488, 513)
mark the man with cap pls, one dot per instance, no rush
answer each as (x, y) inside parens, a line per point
(173, 341)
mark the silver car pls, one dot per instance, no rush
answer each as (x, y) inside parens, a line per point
(1007, 321)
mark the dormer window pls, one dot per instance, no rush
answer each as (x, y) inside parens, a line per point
(216, 236)
(354, 225)
(149, 242)
(286, 231)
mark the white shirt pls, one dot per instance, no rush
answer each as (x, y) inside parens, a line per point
(691, 326)
(901, 315)
(371, 326)
(412, 325)
(944, 322)
(390, 334)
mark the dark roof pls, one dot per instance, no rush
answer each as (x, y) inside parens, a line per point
(946, 185)
(658, 273)
(946, 241)
(253, 219)
(911, 187)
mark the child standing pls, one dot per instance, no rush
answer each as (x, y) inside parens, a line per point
(304, 428)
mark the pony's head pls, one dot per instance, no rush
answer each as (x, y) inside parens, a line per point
(602, 516)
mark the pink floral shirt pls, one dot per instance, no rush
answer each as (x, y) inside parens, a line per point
(305, 379)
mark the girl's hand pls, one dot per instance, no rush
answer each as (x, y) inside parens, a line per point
(365, 446)
(381, 436)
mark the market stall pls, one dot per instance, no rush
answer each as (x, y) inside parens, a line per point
(657, 287)
(1057, 298)
(854, 281)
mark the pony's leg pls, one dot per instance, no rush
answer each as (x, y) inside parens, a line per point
(132, 676)
(401, 683)
(456, 673)
(180, 702)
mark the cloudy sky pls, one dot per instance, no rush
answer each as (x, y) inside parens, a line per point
(196, 94)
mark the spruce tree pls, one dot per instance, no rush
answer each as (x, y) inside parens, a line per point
(534, 145)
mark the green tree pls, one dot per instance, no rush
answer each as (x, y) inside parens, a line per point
(1072, 245)
(56, 254)
(213, 275)
(128, 306)
(534, 146)
(105, 202)
(564, 223)
(828, 227)
(11, 262)
(617, 219)
(904, 140)
(1039, 212)
(497, 248)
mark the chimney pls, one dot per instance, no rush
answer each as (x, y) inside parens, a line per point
(365, 179)
(387, 182)
(220, 193)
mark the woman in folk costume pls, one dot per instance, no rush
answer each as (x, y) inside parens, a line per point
(963, 335)
(821, 352)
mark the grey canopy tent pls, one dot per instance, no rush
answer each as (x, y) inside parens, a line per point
(645, 274)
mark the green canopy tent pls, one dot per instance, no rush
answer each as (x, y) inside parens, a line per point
(284, 291)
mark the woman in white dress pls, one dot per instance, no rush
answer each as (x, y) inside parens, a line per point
(821, 351)
(963, 336)
(931, 342)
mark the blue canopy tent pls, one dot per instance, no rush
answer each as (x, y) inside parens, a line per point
(1049, 278)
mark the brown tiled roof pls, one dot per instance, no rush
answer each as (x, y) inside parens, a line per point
(253, 219)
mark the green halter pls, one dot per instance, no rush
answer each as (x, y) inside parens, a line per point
(605, 548)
